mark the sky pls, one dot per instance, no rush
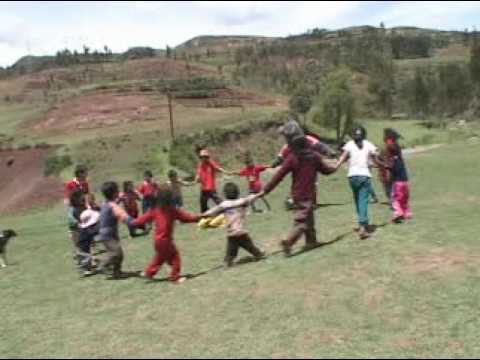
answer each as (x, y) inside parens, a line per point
(43, 27)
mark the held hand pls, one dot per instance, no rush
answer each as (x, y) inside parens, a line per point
(259, 195)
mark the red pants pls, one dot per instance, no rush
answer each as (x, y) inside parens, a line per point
(166, 251)
(401, 197)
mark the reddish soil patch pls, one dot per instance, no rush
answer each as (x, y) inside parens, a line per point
(23, 185)
(102, 110)
(440, 261)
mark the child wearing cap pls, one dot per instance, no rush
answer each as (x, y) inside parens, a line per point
(207, 171)
(235, 210)
(89, 227)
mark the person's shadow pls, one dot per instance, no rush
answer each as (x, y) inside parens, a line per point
(249, 259)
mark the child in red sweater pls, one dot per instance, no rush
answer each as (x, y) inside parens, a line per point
(129, 198)
(253, 172)
(164, 215)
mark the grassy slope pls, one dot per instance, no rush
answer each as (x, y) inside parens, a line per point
(410, 291)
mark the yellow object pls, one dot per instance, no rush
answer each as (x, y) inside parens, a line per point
(213, 222)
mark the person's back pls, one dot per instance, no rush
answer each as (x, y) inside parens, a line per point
(164, 220)
(108, 223)
(304, 166)
(235, 212)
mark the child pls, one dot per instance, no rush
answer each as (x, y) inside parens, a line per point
(235, 210)
(129, 199)
(399, 178)
(77, 205)
(361, 154)
(164, 216)
(206, 175)
(148, 190)
(88, 228)
(79, 183)
(110, 215)
(252, 172)
(176, 184)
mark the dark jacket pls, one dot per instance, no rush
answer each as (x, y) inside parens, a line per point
(304, 166)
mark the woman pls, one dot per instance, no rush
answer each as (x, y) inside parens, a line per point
(360, 152)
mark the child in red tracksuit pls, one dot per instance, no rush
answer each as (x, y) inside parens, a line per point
(164, 215)
(129, 198)
(252, 172)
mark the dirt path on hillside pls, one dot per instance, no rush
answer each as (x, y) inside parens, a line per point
(23, 185)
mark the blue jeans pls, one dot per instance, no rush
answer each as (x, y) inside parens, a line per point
(361, 188)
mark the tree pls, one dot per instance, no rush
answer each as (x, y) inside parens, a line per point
(421, 93)
(475, 58)
(301, 102)
(337, 105)
(168, 52)
(86, 50)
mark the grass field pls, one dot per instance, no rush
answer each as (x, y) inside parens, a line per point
(411, 291)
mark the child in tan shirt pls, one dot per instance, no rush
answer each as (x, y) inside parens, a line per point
(235, 211)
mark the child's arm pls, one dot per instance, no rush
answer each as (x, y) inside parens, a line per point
(72, 221)
(342, 160)
(186, 217)
(186, 183)
(120, 214)
(142, 220)
(217, 210)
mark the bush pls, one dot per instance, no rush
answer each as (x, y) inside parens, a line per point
(55, 164)
(24, 147)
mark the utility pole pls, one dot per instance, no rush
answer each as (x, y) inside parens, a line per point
(170, 109)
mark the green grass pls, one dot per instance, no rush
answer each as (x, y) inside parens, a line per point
(12, 115)
(411, 291)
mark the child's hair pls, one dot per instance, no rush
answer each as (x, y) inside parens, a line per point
(165, 195)
(391, 134)
(91, 198)
(110, 190)
(80, 170)
(127, 185)
(77, 198)
(231, 191)
(172, 174)
(299, 143)
(148, 174)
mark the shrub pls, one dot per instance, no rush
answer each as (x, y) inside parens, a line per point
(55, 164)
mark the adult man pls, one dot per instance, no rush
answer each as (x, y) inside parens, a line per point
(304, 164)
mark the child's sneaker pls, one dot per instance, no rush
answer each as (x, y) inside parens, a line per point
(364, 234)
(144, 275)
(287, 248)
(180, 280)
(88, 273)
(262, 256)
(397, 220)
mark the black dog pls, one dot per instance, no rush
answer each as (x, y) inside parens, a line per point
(5, 236)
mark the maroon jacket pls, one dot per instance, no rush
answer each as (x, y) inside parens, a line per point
(304, 167)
